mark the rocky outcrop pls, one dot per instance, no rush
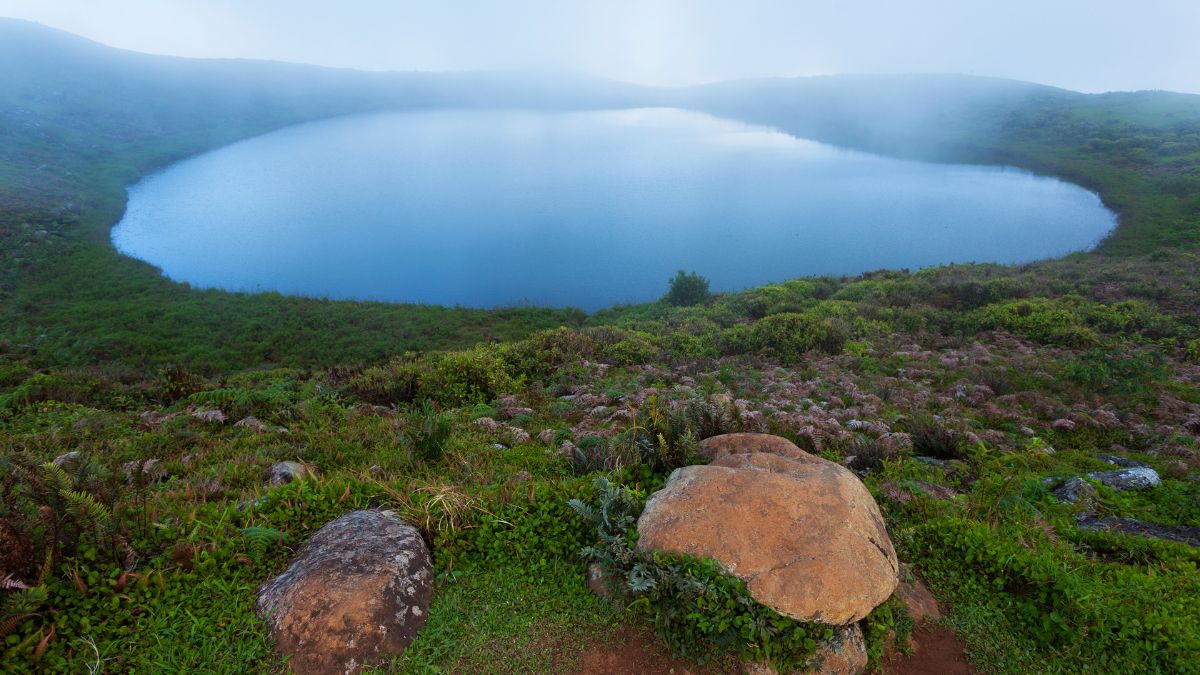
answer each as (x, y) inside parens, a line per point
(1140, 528)
(355, 595)
(803, 533)
(286, 472)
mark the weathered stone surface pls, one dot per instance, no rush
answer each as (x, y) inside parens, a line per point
(1140, 528)
(844, 654)
(805, 535)
(741, 444)
(286, 472)
(1136, 478)
(921, 604)
(356, 594)
(1075, 490)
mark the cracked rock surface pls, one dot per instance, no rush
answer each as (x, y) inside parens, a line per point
(802, 532)
(356, 594)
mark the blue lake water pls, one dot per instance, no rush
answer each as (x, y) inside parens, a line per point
(588, 209)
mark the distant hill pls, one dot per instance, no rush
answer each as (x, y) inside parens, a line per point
(60, 92)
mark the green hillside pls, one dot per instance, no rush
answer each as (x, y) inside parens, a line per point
(964, 396)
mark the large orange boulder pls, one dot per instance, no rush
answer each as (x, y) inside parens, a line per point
(355, 595)
(803, 533)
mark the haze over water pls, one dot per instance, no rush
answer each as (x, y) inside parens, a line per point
(588, 209)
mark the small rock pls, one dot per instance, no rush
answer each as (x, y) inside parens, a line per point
(249, 504)
(936, 491)
(843, 654)
(1063, 424)
(486, 423)
(547, 436)
(280, 473)
(1117, 460)
(258, 425)
(1075, 490)
(1136, 478)
(67, 457)
(597, 582)
(933, 461)
(215, 416)
(920, 602)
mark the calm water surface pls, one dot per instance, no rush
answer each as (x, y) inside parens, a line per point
(486, 208)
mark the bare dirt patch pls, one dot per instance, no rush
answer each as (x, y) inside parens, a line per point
(939, 652)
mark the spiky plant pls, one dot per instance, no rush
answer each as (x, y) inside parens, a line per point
(613, 516)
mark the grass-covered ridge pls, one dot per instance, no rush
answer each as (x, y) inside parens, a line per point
(142, 552)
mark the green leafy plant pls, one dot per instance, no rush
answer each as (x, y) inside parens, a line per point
(426, 432)
(697, 607)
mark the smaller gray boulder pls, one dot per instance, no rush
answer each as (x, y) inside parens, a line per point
(286, 472)
(1135, 478)
(1075, 490)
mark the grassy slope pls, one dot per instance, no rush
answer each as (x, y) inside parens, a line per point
(1073, 338)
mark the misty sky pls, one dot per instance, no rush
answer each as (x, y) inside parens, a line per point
(1087, 45)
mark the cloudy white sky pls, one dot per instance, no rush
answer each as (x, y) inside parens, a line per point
(1087, 45)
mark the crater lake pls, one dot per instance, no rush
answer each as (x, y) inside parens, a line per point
(490, 208)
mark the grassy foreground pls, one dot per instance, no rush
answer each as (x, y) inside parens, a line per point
(479, 426)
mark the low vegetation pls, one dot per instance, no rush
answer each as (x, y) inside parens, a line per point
(138, 416)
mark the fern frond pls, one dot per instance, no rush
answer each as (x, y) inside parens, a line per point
(87, 506)
(11, 583)
(259, 539)
(56, 478)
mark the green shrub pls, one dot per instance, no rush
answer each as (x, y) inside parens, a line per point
(426, 431)
(1050, 321)
(277, 401)
(1191, 351)
(687, 288)
(786, 337)
(1119, 372)
(470, 376)
(397, 381)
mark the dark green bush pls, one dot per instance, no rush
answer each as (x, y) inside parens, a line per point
(786, 337)
(688, 288)
(397, 381)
